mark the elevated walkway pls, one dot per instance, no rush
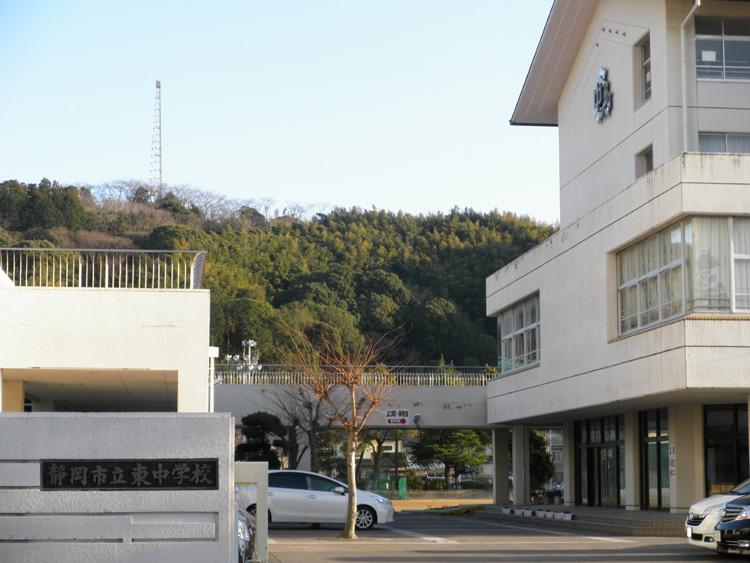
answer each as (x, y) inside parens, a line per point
(422, 397)
(614, 521)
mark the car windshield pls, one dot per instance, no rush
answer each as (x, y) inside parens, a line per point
(741, 489)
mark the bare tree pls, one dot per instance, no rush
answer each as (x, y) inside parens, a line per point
(337, 374)
(300, 408)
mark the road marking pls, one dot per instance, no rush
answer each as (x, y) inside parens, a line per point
(541, 530)
(409, 533)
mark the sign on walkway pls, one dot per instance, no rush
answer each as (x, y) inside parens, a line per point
(397, 417)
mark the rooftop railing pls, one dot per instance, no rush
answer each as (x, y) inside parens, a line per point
(103, 269)
(418, 376)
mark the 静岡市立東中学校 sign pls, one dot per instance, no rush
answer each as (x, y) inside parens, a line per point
(130, 474)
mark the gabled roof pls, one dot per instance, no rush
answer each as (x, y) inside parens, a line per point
(554, 57)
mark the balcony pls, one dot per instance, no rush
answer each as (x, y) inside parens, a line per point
(102, 269)
(103, 330)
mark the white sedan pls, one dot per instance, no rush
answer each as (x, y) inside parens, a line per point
(705, 515)
(301, 496)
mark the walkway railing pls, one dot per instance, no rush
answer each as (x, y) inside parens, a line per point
(418, 376)
(109, 269)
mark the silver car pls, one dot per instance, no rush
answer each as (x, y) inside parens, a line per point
(305, 497)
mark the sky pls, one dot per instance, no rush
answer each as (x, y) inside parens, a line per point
(396, 104)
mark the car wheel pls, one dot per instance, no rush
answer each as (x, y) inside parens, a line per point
(365, 518)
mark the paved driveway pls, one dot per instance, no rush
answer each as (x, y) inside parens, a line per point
(438, 538)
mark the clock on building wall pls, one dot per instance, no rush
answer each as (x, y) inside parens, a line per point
(602, 96)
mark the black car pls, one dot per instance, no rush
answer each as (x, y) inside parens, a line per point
(732, 533)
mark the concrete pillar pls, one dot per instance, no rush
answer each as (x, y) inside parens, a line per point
(632, 461)
(569, 464)
(687, 474)
(521, 477)
(12, 396)
(500, 492)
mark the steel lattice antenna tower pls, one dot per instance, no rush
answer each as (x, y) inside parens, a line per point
(156, 170)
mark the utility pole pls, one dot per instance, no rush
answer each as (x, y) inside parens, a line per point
(157, 180)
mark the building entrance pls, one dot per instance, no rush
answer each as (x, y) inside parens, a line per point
(599, 461)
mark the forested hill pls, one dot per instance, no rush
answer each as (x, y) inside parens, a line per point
(367, 272)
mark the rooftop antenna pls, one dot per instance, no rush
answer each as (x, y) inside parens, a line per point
(156, 170)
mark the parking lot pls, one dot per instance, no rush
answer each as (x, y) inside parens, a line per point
(437, 538)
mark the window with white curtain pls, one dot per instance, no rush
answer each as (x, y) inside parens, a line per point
(702, 263)
(724, 142)
(708, 248)
(741, 247)
(650, 280)
(518, 333)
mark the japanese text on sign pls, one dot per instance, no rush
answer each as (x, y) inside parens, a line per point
(397, 417)
(137, 474)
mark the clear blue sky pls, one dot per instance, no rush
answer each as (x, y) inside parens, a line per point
(398, 104)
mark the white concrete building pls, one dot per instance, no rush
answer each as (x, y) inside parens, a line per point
(103, 331)
(629, 327)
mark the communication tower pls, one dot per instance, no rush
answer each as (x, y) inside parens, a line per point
(156, 163)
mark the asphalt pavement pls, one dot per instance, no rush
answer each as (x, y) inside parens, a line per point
(438, 538)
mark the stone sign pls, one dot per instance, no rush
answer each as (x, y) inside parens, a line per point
(129, 474)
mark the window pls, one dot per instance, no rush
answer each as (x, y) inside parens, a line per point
(287, 480)
(724, 142)
(645, 50)
(644, 161)
(701, 263)
(654, 442)
(725, 443)
(722, 48)
(321, 484)
(556, 456)
(518, 331)
(650, 280)
(600, 461)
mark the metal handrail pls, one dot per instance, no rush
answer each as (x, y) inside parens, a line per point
(103, 269)
(416, 376)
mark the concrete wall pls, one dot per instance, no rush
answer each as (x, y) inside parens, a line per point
(438, 407)
(110, 329)
(126, 526)
(584, 361)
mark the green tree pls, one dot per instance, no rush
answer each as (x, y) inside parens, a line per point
(460, 451)
(541, 467)
(262, 433)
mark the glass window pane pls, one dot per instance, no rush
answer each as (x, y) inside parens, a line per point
(708, 263)
(518, 351)
(739, 143)
(741, 235)
(651, 424)
(707, 25)
(712, 142)
(663, 423)
(507, 352)
(737, 26)
(287, 480)
(664, 470)
(531, 344)
(648, 255)
(742, 284)
(652, 475)
(709, 57)
(596, 431)
(737, 59)
(628, 265)
(518, 313)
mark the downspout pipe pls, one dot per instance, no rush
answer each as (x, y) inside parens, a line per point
(690, 14)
